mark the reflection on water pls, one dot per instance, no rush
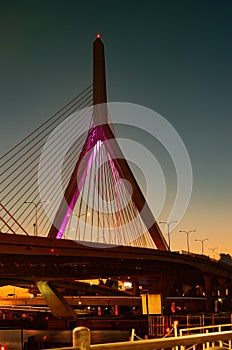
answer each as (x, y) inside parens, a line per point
(106, 336)
(13, 338)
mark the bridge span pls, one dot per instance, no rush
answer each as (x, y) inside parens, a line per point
(45, 262)
(29, 255)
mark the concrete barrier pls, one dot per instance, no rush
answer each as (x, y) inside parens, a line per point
(81, 338)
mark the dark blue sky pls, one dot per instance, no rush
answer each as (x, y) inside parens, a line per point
(171, 56)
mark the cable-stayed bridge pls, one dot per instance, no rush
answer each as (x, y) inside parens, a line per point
(96, 203)
(92, 177)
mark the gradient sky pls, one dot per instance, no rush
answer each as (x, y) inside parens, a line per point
(172, 56)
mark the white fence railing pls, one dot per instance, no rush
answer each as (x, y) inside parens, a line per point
(157, 325)
(81, 341)
(205, 329)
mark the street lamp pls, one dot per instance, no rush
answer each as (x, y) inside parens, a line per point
(213, 250)
(168, 223)
(187, 237)
(202, 243)
(36, 215)
(86, 214)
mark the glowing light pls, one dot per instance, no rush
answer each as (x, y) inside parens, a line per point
(127, 284)
(97, 146)
(76, 194)
(116, 310)
(66, 218)
(98, 35)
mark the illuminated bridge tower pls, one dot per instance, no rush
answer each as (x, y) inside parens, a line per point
(101, 131)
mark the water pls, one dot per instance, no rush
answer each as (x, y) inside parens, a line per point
(13, 338)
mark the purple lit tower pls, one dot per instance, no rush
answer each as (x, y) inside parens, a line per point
(101, 131)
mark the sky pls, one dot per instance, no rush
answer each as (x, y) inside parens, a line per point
(171, 56)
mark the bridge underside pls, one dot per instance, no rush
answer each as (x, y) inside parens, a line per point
(63, 262)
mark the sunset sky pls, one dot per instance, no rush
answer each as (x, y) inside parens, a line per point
(171, 56)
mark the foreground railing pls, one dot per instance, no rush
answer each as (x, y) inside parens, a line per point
(157, 325)
(81, 341)
(205, 329)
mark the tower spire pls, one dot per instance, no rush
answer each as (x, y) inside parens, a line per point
(99, 82)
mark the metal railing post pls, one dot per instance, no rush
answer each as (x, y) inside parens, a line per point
(207, 344)
(81, 338)
(132, 337)
(219, 330)
(175, 331)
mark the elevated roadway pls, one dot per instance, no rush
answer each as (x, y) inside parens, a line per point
(44, 262)
(27, 257)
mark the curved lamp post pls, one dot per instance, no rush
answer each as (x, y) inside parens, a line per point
(187, 237)
(213, 250)
(202, 244)
(36, 214)
(168, 223)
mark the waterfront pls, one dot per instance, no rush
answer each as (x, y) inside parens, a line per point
(158, 326)
(14, 338)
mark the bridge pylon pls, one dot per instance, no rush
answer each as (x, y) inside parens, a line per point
(102, 131)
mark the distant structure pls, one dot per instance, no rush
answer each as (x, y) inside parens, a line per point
(226, 259)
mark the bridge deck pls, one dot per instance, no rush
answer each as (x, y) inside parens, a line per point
(26, 256)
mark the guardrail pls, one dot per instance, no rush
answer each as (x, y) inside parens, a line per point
(205, 328)
(81, 341)
(157, 325)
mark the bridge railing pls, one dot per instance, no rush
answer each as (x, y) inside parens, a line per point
(81, 341)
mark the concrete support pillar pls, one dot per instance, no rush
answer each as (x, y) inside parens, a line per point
(56, 302)
(208, 292)
(167, 282)
(136, 291)
(164, 285)
(224, 301)
(222, 286)
(81, 338)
